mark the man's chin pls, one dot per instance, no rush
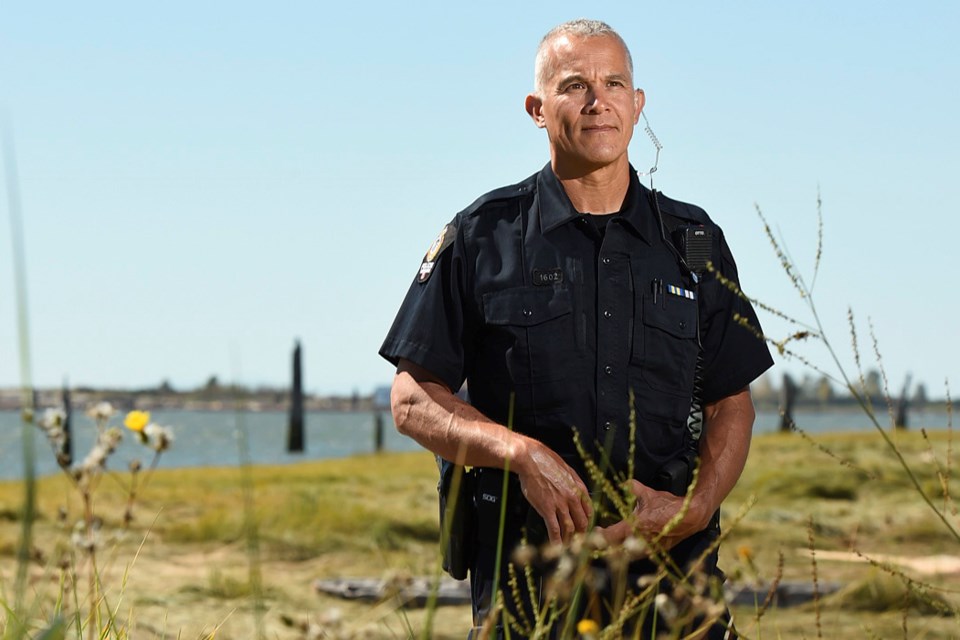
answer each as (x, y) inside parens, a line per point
(596, 160)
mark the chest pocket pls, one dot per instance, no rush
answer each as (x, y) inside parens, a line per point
(537, 328)
(665, 346)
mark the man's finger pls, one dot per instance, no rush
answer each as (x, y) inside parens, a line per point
(638, 489)
(586, 503)
(553, 529)
(641, 492)
(581, 519)
(567, 527)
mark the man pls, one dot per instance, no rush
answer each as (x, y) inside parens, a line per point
(561, 300)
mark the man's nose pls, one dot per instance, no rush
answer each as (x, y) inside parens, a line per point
(596, 100)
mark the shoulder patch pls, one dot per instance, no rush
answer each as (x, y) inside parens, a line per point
(444, 240)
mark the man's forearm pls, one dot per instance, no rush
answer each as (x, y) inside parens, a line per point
(427, 411)
(723, 450)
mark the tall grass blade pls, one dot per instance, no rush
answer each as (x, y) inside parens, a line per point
(503, 519)
(816, 261)
(250, 527)
(26, 378)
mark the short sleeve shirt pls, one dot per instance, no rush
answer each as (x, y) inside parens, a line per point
(565, 334)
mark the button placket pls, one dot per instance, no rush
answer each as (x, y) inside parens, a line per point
(613, 280)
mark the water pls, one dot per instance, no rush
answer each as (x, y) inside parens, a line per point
(207, 438)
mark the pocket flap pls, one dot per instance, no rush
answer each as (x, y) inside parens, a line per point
(677, 316)
(526, 306)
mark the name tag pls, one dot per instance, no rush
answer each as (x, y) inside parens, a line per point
(546, 277)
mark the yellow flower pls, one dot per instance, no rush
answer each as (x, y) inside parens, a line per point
(137, 420)
(587, 627)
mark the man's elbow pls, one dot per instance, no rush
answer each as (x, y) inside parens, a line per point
(742, 404)
(402, 401)
(406, 397)
(746, 407)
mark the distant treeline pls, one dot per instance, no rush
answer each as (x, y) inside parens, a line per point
(768, 393)
(211, 396)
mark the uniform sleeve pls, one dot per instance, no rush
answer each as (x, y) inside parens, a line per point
(434, 322)
(734, 355)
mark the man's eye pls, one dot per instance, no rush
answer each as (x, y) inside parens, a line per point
(615, 83)
(574, 86)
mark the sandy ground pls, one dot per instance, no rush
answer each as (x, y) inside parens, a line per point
(195, 592)
(935, 565)
(201, 591)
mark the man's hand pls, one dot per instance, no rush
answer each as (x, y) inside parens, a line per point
(651, 515)
(425, 409)
(554, 490)
(723, 452)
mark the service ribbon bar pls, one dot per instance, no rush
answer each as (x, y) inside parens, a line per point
(680, 291)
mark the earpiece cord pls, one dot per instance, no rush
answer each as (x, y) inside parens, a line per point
(656, 143)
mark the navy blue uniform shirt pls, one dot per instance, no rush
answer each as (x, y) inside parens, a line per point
(523, 297)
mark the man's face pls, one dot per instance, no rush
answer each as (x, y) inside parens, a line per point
(587, 103)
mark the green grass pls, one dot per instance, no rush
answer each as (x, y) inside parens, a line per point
(338, 506)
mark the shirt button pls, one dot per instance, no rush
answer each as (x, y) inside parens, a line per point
(606, 260)
(607, 426)
(608, 370)
(683, 324)
(527, 313)
(609, 314)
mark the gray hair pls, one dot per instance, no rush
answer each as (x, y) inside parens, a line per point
(582, 28)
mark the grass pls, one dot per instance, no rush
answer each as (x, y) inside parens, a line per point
(375, 516)
(873, 509)
(338, 505)
(334, 518)
(793, 480)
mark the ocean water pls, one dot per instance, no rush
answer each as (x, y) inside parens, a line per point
(210, 438)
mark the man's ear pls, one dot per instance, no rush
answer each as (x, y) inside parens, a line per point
(534, 107)
(639, 100)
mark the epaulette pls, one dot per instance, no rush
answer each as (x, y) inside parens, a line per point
(502, 193)
(683, 210)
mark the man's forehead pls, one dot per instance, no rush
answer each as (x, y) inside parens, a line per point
(571, 53)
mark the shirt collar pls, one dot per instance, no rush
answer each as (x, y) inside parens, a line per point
(556, 208)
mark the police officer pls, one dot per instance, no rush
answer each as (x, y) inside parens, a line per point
(561, 300)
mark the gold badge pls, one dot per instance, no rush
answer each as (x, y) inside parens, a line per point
(435, 247)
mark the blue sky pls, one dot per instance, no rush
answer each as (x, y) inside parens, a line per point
(203, 183)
